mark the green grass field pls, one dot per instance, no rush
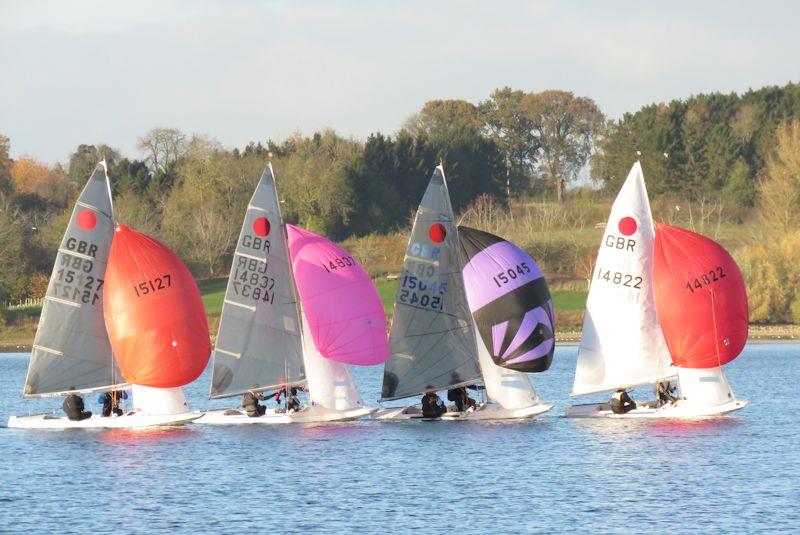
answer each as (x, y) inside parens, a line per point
(213, 291)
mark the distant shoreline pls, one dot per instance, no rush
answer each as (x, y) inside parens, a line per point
(758, 333)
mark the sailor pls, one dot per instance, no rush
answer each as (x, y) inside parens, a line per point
(621, 402)
(291, 398)
(461, 399)
(73, 406)
(251, 405)
(110, 401)
(432, 406)
(293, 401)
(665, 391)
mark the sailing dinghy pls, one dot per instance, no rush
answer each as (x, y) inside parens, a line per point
(270, 340)
(646, 322)
(436, 342)
(72, 352)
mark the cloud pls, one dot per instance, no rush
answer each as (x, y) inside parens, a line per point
(100, 71)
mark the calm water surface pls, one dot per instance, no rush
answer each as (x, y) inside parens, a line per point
(737, 474)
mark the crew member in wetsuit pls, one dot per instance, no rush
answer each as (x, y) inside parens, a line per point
(292, 400)
(432, 406)
(73, 406)
(110, 401)
(621, 402)
(665, 391)
(251, 405)
(461, 399)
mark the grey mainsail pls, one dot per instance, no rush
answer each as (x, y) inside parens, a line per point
(258, 345)
(432, 338)
(71, 352)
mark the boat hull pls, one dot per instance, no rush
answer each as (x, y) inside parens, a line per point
(679, 410)
(304, 416)
(128, 421)
(487, 411)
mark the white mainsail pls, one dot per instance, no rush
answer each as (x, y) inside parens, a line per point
(432, 337)
(71, 352)
(622, 343)
(259, 342)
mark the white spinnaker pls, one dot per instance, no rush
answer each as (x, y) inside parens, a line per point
(510, 388)
(330, 384)
(622, 343)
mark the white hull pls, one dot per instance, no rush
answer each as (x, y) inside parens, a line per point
(678, 410)
(486, 411)
(304, 416)
(131, 420)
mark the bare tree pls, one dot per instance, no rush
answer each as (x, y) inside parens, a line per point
(162, 147)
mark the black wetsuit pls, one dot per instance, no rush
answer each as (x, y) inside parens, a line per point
(621, 403)
(432, 406)
(111, 405)
(665, 396)
(252, 406)
(460, 398)
(73, 406)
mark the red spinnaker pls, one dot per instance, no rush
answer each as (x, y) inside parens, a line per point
(154, 313)
(700, 297)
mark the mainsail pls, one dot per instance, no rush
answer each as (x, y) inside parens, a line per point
(509, 300)
(344, 311)
(259, 345)
(432, 339)
(701, 299)
(622, 344)
(71, 351)
(154, 313)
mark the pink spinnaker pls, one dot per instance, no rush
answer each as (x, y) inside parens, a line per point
(339, 299)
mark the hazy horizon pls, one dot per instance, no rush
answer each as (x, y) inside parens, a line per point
(107, 72)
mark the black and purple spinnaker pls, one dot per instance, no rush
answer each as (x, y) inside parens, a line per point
(509, 300)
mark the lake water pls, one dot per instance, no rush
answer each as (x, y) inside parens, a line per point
(737, 474)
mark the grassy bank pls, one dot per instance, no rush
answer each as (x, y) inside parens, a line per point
(18, 326)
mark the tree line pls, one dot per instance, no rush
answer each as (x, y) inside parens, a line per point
(191, 192)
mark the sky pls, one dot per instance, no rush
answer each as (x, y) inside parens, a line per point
(100, 71)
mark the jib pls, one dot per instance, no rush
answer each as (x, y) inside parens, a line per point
(425, 251)
(82, 247)
(618, 242)
(254, 242)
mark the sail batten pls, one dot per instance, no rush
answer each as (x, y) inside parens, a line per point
(432, 340)
(71, 351)
(260, 320)
(622, 343)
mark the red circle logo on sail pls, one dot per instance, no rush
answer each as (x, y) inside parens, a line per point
(627, 226)
(86, 220)
(261, 226)
(437, 232)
